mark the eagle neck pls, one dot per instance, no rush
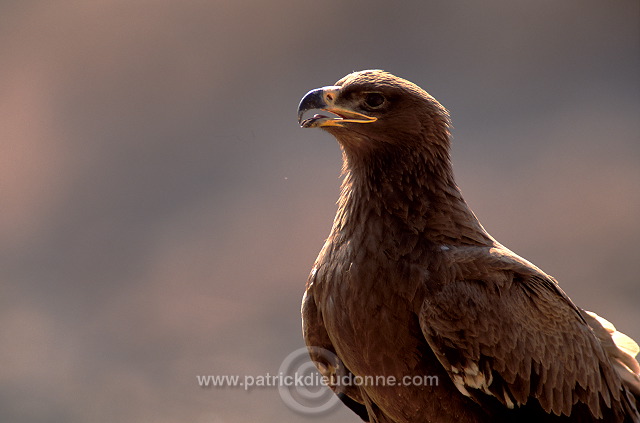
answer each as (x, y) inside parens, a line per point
(409, 195)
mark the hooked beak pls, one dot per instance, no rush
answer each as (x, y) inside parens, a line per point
(324, 99)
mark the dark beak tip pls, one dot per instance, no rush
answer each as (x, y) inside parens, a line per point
(314, 99)
(300, 114)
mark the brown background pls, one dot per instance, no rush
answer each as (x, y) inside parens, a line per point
(160, 209)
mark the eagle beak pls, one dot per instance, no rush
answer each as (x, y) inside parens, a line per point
(324, 99)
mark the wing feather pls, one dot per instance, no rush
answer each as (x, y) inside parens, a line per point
(505, 328)
(324, 357)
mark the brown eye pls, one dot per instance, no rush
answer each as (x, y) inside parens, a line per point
(374, 100)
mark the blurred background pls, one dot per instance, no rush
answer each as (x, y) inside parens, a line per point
(160, 208)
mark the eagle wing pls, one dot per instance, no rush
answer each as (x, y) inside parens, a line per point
(325, 359)
(503, 327)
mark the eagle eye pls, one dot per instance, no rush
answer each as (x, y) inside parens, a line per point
(374, 100)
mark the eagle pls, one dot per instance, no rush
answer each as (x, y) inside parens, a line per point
(410, 285)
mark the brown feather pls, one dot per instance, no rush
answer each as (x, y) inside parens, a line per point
(409, 283)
